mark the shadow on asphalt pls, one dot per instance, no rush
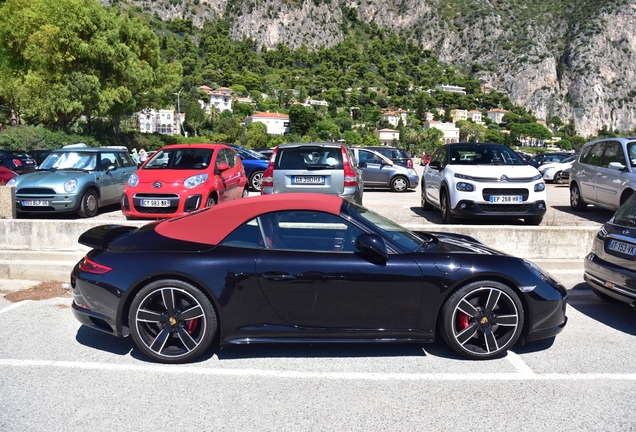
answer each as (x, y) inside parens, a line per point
(593, 214)
(69, 216)
(617, 315)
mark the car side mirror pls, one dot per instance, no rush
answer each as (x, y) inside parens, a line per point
(436, 165)
(223, 167)
(372, 245)
(362, 165)
(617, 166)
(111, 168)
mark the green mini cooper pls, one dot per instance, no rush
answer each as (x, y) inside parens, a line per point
(74, 179)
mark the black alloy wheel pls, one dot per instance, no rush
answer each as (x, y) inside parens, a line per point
(445, 204)
(482, 320)
(89, 206)
(576, 200)
(256, 181)
(172, 321)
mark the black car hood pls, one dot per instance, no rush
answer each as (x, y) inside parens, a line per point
(121, 238)
(450, 242)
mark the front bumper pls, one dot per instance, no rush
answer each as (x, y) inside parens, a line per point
(468, 208)
(55, 203)
(178, 204)
(610, 279)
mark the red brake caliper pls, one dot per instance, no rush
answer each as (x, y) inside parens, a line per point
(190, 325)
(463, 320)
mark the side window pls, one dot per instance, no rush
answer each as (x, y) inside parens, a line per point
(247, 235)
(613, 153)
(596, 154)
(631, 151)
(230, 157)
(222, 157)
(308, 231)
(585, 153)
(369, 157)
(439, 156)
(125, 160)
(106, 160)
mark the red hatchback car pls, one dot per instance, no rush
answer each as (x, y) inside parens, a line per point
(182, 178)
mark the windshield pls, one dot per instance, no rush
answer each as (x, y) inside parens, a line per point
(408, 240)
(309, 157)
(249, 154)
(80, 160)
(569, 159)
(483, 154)
(626, 214)
(180, 158)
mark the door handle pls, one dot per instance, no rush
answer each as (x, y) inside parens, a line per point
(279, 276)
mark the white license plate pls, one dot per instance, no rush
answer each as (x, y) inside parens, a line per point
(308, 180)
(505, 199)
(35, 203)
(155, 203)
(621, 247)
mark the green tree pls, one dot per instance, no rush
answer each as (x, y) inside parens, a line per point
(195, 117)
(302, 119)
(255, 135)
(327, 130)
(432, 138)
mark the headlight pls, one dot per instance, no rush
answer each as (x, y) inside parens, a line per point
(70, 185)
(195, 180)
(133, 180)
(601, 234)
(12, 182)
(463, 177)
(538, 271)
(539, 187)
(466, 187)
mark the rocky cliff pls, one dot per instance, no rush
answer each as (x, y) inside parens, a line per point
(568, 58)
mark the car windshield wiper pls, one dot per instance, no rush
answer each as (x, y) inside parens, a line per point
(320, 166)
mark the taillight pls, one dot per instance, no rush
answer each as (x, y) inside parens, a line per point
(89, 266)
(268, 175)
(17, 162)
(409, 163)
(350, 178)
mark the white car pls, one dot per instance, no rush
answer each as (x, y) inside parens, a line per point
(482, 180)
(552, 171)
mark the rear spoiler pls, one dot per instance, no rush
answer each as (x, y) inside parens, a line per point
(101, 236)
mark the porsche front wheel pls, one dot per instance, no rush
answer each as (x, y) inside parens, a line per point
(172, 321)
(482, 320)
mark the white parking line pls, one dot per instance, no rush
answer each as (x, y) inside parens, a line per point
(13, 306)
(368, 376)
(520, 365)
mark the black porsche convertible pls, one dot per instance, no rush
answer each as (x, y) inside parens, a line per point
(306, 268)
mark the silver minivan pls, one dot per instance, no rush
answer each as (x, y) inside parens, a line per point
(604, 174)
(328, 168)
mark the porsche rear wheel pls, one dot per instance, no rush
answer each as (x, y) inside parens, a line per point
(172, 321)
(482, 320)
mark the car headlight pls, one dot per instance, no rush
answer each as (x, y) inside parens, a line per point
(12, 182)
(195, 180)
(70, 185)
(463, 176)
(539, 187)
(465, 187)
(133, 180)
(601, 234)
(538, 271)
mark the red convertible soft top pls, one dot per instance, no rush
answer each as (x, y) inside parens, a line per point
(210, 226)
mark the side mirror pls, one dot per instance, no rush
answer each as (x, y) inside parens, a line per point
(223, 167)
(617, 166)
(372, 245)
(111, 168)
(362, 165)
(436, 165)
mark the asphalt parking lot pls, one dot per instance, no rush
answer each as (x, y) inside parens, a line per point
(57, 375)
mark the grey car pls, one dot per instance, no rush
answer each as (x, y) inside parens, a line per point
(328, 168)
(382, 172)
(604, 174)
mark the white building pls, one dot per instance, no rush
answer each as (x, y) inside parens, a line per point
(220, 98)
(475, 116)
(387, 136)
(497, 114)
(394, 117)
(451, 132)
(160, 121)
(277, 123)
(451, 88)
(459, 114)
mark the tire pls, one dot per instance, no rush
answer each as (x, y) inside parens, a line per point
(482, 320)
(246, 193)
(576, 200)
(533, 221)
(604, 296)
(426, 206)
(557, 178)
(211, 202)
(256, 181)
(89, 206)
(445, 204)
(172, 321)
(399, 184)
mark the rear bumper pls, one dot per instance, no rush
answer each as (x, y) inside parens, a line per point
(612, 280)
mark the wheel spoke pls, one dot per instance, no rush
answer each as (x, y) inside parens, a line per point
(491, 340)
(465, 335)
(160, 341)
(167, 294)
(468, 308)
(186, 339)
(505, 320)
(493, 299)
(146, 315)
(193, 312)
